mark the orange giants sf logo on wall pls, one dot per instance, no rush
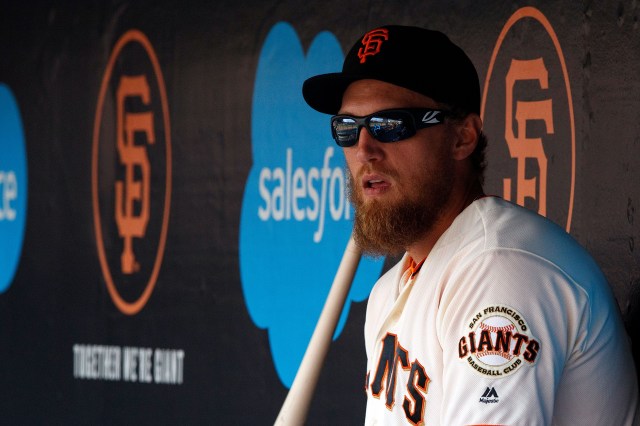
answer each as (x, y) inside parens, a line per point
(131, 172)
(527, 105)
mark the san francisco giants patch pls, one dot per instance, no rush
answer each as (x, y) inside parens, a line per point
(498, 342)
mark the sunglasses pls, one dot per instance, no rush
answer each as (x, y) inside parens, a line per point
(391, 125)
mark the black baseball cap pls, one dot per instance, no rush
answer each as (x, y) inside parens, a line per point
(417, 59)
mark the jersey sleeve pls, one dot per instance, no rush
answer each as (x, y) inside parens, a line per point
(511, 325)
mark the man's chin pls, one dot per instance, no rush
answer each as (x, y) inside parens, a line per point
(385, 200)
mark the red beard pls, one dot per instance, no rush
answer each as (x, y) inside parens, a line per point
(389, 227)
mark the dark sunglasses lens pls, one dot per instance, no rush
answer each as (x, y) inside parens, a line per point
(345, 131)
(390, 128)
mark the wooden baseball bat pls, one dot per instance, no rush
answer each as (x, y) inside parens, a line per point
(296, 405)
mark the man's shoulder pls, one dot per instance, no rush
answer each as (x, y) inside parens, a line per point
(508, 225)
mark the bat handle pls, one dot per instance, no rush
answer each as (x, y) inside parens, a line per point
(296, 405)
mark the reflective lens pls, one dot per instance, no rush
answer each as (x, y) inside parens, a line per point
(385, 126)
(391, 129)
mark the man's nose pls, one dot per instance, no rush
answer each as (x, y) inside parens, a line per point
(368, 148)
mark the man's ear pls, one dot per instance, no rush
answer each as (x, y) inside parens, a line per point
(467, 135)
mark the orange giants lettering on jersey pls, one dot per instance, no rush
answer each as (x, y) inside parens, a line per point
(392, 358)
(131, 172)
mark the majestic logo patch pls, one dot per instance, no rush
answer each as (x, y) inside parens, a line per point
(372, 42)
(490, 396)
(498, 342)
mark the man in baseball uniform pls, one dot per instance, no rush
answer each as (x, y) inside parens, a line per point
(494, 315)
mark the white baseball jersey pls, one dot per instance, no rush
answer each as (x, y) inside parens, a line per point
(508, 322)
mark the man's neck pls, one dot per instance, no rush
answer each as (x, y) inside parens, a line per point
(421, 248)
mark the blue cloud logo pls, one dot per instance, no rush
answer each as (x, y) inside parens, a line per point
(296, 219)
(13, 187)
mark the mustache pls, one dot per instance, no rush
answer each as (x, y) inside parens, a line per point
(368, 169)
(353, 184)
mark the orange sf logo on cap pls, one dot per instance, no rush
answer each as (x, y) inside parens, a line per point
(372, 41)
